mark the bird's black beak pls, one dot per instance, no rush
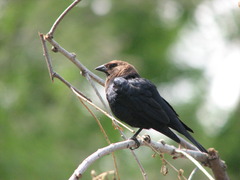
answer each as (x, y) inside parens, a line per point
(101, 68)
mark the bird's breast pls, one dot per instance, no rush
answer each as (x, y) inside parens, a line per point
(118, 104)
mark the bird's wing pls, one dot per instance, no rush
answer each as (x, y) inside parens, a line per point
(141, 96)
(173, 115)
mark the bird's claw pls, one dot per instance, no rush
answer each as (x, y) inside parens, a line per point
(137, 143)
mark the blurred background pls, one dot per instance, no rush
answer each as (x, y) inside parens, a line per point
(189, 49)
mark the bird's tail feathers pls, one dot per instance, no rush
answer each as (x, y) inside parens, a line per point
(167, 132)
(197, 144)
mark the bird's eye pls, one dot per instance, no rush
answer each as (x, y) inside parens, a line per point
(112, 65)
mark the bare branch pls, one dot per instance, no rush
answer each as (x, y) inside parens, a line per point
(53, 28)
(99, 153)
(160, 147)
(53, 74)
(72, 57)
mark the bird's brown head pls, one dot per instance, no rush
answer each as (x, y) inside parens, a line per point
(117, 68)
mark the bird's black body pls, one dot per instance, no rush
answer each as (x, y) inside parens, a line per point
(137, 102)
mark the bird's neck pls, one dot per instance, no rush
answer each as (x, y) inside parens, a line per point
(110, 78)
(131, 76)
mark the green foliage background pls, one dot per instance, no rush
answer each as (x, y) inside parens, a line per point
(45, 132)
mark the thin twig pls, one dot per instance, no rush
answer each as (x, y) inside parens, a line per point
(54, 26)
(196, 163)
(96, 90)
(98, 108)
(97, 120)
(144, 174)
(174, 168)
(105, 135)
(192, 173)
(46, 55)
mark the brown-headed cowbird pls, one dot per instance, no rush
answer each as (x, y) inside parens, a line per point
(136, 101)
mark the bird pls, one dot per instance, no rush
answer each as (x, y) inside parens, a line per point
(137, 102)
